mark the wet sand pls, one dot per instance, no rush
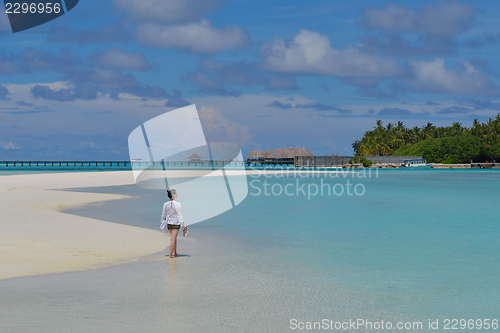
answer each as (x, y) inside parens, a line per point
(216, 285)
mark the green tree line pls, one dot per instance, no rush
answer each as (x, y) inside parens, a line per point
(452, 144)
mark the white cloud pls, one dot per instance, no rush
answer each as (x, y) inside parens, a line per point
(8, 145)
(441, 18)
(199, 37)
(100, 116)
(218, 128)
(310, 52)
(178, 24)
(433, 76)
(167, 11)
(121, 59)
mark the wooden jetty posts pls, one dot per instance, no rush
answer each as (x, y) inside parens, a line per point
(297, 162)
(278, 157)
(65, 163)
(119, 164)
(485, 165)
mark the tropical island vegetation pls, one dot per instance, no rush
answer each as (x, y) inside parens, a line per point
(452, 144)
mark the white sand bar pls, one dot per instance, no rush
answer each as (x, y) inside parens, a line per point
(36, 238)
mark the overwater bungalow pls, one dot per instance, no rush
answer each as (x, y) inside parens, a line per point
(260, 155)
(194, 158)
(279, 155)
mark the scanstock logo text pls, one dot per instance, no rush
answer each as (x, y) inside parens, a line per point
(214, 184)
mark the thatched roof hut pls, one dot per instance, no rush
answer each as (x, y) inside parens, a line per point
(289, 152)
(255, 154)
(303, 151)
(282, 153)
(194, 157)
(279, 153)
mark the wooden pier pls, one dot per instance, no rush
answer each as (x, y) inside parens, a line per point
(269, 163)
(118, 164)
(65, 163)
(485, 165)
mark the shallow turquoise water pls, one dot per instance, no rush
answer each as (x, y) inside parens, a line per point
(424, 242)
(426, 232)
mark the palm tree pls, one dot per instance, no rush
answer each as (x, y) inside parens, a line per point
(456, 128)
(415, 134)
(476, 127)
(427, 130)
(379, 129)
(400, 126)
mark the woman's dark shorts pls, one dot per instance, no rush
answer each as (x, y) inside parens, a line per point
(173, 226)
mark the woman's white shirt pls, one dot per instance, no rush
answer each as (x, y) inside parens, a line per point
(175, 216)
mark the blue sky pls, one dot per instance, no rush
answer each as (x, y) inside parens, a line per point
(263, 74)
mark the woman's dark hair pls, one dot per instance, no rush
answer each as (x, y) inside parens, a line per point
(171, 193)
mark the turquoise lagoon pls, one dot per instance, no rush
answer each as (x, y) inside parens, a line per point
(423, 244)
(426, 241)
(409, 246)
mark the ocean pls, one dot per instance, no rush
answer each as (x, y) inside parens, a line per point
(398, 246)
(425, 241)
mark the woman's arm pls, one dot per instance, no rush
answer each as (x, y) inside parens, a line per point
(163, 213)
(179, 214)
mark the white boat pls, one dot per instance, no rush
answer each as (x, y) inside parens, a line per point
(415, 163)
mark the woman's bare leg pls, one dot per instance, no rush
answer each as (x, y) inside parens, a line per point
(175, 247)
(173, 242)
(170, 248)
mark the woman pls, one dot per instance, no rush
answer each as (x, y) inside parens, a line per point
(173, 214)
